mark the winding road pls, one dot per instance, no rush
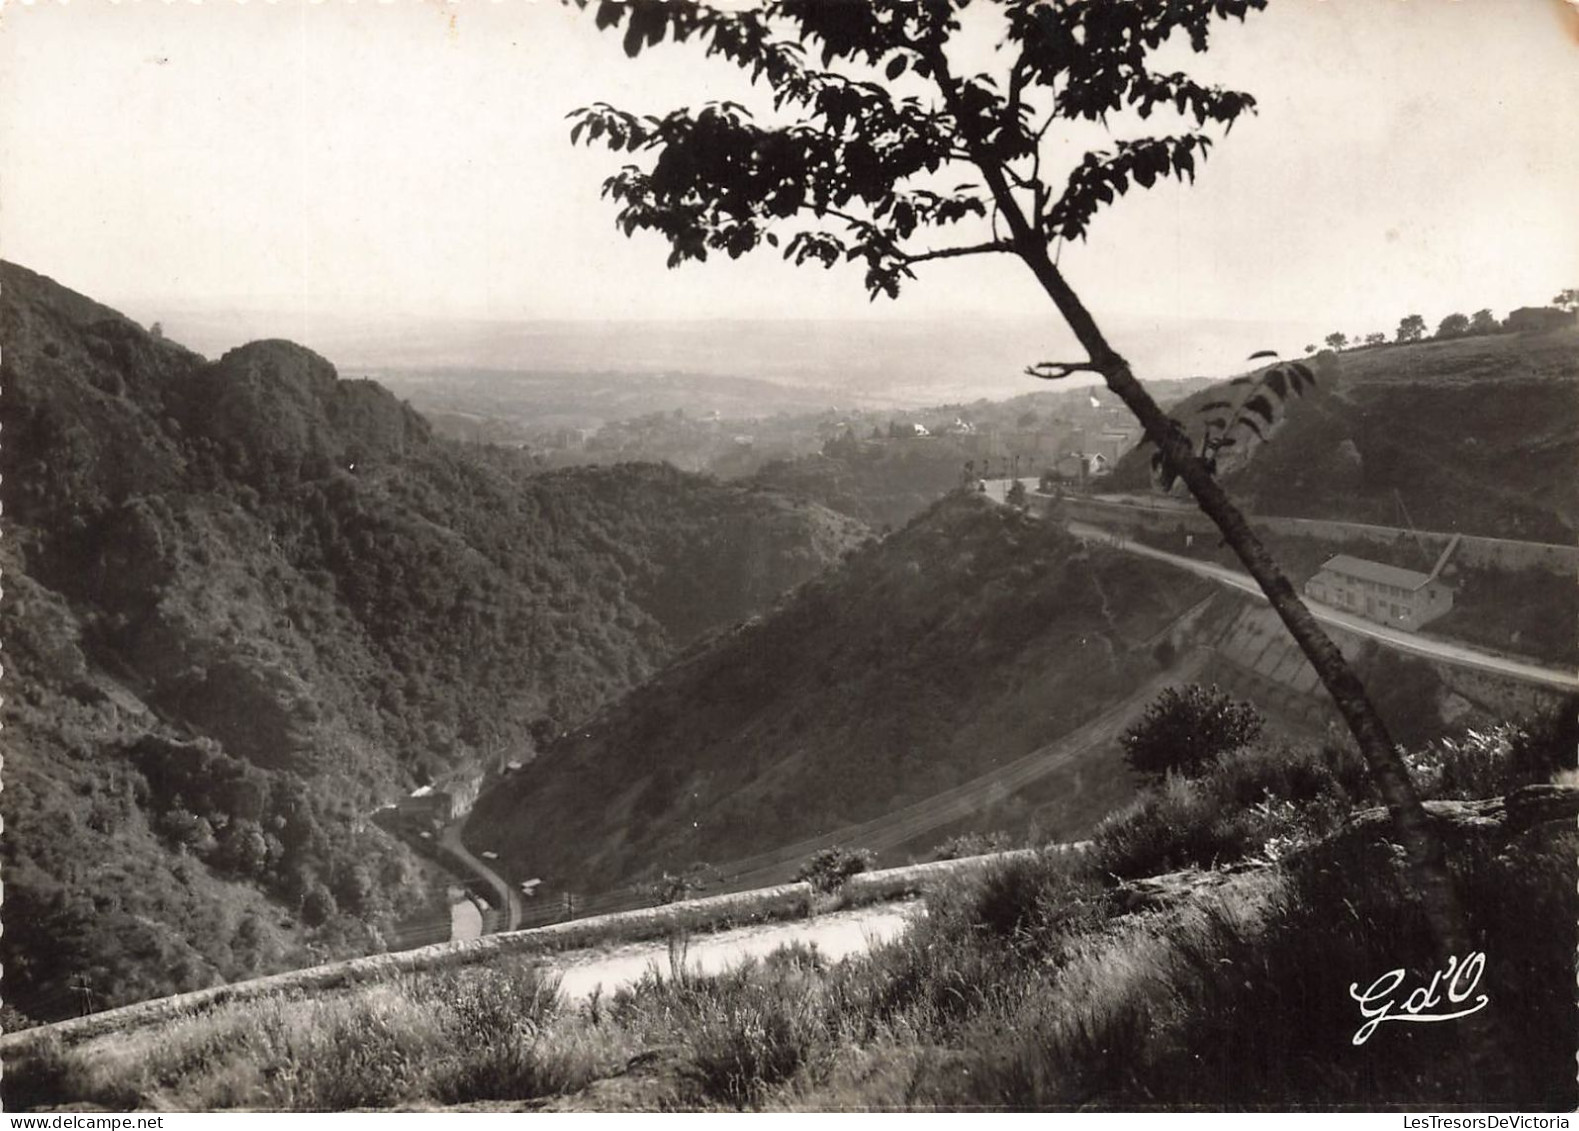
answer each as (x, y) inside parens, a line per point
(506, 898)
(1432, 648)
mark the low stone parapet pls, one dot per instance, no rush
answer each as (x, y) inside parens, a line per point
(709, 913)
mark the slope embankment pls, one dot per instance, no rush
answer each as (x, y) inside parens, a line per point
(1161, 515)
(1452, 653)
(908, 681)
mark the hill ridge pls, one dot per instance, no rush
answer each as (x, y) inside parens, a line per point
(313, 605)
(967, 639)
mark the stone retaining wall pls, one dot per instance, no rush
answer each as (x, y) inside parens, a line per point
(711, 913)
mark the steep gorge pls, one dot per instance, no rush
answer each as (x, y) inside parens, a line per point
(247, 601)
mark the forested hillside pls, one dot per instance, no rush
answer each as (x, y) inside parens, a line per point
(246, 601)
(954, 646)
(884, 484)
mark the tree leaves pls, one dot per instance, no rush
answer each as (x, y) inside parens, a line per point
(1259, 405)
(720, 180)
(1104, 175)
(850, 149)
(1094, 55)
(1188, 98)
(645, 28)
(1411, 328)
(1255, 412)
(615, 128)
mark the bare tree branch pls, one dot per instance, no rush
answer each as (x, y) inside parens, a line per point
(853, 221)
(1058, 370)
(955, 252)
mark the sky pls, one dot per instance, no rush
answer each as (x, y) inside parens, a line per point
(296, 167)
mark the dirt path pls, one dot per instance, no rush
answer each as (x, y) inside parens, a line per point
(901, 825)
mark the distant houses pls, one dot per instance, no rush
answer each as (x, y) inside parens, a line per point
(435, 806)
(1403, 598)
(1539, 319)
(1072, 452)
(1081, 466)
(427, 806)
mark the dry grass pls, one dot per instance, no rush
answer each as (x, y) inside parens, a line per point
(445, 1037)
(1027, 986)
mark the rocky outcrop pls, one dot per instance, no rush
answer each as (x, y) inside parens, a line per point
(276, 408)
(658, 1079)
(1538, 810)
(1528, 808)
(1175, 888)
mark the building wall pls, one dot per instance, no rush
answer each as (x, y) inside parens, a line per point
(1385, 604)
(437, 806)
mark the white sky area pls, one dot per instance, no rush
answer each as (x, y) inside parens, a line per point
(362, 161)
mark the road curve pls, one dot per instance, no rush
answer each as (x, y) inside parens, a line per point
(1433, 648)
(508, 898)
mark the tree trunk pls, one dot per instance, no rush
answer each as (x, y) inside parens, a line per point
(1426, 864)
(1426, 857)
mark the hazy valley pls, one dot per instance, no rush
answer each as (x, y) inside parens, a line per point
(251, 602)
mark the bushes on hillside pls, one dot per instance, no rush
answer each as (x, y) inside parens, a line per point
(1031, 904)
(446, 1036)
(1494, 760)
(828, 869)
(318, 639)
(1253, 800)
(1025, 986)
(1184, 728)
(1263, 800)
(976, 629)
(1240, 1006)
(972, 844)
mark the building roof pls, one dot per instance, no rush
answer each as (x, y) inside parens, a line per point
(1376, 571)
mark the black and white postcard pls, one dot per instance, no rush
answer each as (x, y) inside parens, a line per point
(790, 556)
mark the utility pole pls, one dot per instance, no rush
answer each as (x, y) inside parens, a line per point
(1410, 523)
(82, 985)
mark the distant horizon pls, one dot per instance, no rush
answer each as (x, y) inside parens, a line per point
(895, 362)
(336, 164)
(915, 361)
(918, 360)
